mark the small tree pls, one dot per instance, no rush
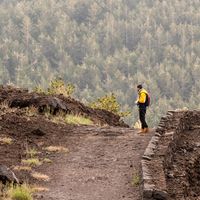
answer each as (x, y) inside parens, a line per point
(58, 86)
(109, 103)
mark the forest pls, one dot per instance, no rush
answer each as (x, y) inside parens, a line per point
(104, 47)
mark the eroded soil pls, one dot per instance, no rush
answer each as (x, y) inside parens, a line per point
(183, 179)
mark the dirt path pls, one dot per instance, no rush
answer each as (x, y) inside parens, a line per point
(101, 165)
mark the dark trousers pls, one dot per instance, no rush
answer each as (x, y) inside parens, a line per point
(142, 113)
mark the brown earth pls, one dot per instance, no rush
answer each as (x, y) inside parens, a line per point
(21, 98)
(183, 180)
(102, 163)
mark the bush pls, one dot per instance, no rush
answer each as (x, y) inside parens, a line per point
(109, 103)
(32, 162)
(20, 193)
(57, 86)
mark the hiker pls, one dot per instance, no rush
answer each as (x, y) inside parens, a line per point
(143, 102)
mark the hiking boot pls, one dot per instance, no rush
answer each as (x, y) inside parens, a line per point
(141, 131)
(146, 130)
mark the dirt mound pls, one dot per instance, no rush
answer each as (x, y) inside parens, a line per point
(21, 98)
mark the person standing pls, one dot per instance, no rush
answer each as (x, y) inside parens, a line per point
(143, 102)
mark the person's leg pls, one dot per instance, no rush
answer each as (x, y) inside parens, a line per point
(142, 115)
(145, 123)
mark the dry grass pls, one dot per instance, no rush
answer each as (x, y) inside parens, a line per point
(22, 168)
(40, 176)
(78, 120)
(62, 118)
(56, 149)
(58, 119)
(4, 106)
(31, 111)
(6, 140)
(23, 192)
(47, 160)
(137, 125)
(32, 162)
(32, 152)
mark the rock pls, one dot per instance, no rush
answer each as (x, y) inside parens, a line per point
(148, 191)
(169, 133)
(7, 176)
(38, 132)
(160, 195)
(197, 144)
(157, 134)
(146, 157)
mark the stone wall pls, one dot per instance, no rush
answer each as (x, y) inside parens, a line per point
(159, 153)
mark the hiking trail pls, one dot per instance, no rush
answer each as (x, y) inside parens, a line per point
(102, 164)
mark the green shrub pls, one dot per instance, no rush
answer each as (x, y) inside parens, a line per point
(32, 152)
(32, 162)
(136, 180)
(23, 192)
(109, 103)
(39, 89)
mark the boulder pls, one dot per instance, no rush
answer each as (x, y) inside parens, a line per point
(7, 175)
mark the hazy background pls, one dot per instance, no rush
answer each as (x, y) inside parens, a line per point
(104, 46)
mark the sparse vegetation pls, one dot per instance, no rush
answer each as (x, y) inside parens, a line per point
(31, 111)
(69, 119)
(47, 160)
(78, 120)
(109, 103)
(32, 162)
(6, 108)
(40, 176)
(22, 168)
(6, 140)
(32, 152)
(23, 192)
(57, 86)
(57, 149)
(4, 105)
(136, 180)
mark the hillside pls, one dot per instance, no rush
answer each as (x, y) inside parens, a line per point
(56, 105)
(105, 46)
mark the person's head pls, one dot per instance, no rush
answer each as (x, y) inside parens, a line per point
(139, 87)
